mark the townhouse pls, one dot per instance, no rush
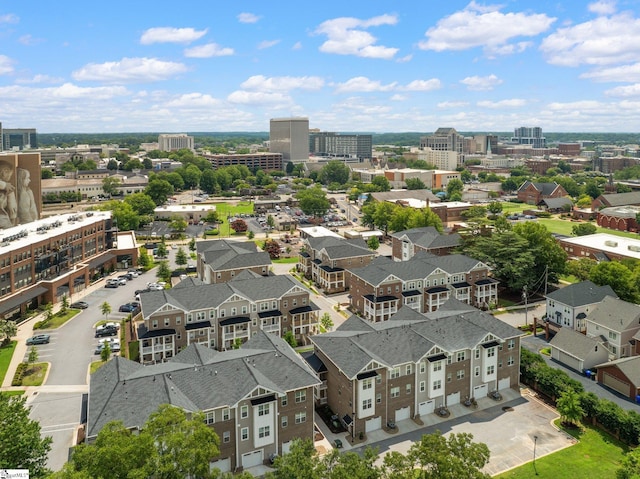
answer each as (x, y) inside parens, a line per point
(222, 316)
(426, 282)
(220, 261)
(405, 244)
(326, 260)
(257, 398)
(616, 321)
(376, 374)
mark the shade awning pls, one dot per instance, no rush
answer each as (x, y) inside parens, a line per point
(236, 320)
(21, 298)
(100, 260)
(199, 325)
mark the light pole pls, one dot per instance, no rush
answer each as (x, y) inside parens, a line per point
(535, 442)
(524, 297)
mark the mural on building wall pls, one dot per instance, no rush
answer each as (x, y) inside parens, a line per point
(20, 189)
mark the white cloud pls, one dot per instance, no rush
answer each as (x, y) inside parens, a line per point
(258, 98)
(624, 73)
(398, 97)
(286, 83)
(130, 70)
(452, 104)
(248, 18)
(511, 103)
(267, 44)
(422, 85)
(602, 41)
(65, 91)
(405, 59)
(9, 18)
(347, 36)
(39, 79)
(193, 100)
(6, 65)
(484, 26)
(478, 83)
(297, 46)
(363, 84)
(207, 51)
(624, 91)
(603, 7)
(29, 40)
(171, 35)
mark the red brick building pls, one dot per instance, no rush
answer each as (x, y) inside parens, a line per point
(532, 193)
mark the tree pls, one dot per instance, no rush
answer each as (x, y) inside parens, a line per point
(568, 405)
(373, 243)
(159, 190)
(335, 171)
(381, 183)
(105, 354)
(64, 304)
(271, 221)
(302, 462)
(509, 185)
(630, 465)
(326, 322)
(239, 226)
(192, 245)
(48, 312)
(495, 208)
(8, 329)
(439, 457)
(251, 235)
(163, 272)
(351, 465)
(420, 218)
(124, 216)
(383, 214)
(550, 259)
(33, 356)
(454, 186)
(584, 229)
(110, 185)
(211, 217)
(21, 443)
(273, 248)
(290, 338)
(178, 223)
(616, 275)
(181, 257)
(105, 309)
(313, 201)
(474, 212)
(141, 203)
(46, 174)
(162, 250)
(415, 184)
(581, 268)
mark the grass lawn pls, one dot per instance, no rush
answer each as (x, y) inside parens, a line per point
(597, 454)
(565, 227)
(11, 393)
(292, 260)
(508, 207)
(95, 365)
(35, 374)
(6, 353)
(225, 210)
(59, 319)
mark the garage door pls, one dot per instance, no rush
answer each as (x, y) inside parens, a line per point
(426, 407)
(252, 459)
(373, 424)
(286, 447)
(616, 384)
(504, 383)
(480, 391)
(223, 464)
(569, 361)
(453, 399)
(403, 413)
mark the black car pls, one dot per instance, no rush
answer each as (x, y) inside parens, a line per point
(138, 291)
(102, 331)
(127, 308)
(79, 305)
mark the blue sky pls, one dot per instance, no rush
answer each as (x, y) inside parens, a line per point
(354, 65)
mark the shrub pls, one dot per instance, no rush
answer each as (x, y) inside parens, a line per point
(21, 370)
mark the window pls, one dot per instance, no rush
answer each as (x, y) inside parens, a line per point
(510, 361)
(408, 388)
(437, 366)
(491, 369)
(367, 383)
(367, 404)
(234, 311)
(263, 409)
(378, 398)
(476, 371)
(244, 433)
(378, 379)
(477, 353)
(511, 344)
(395, 373)
(301, 417)
(284, 400)
(210, 417)
(409, 369)
(284, 421)
(613, 335)
(423, 366)
(491, 352)
(423, 386)
(395, 392)
(437, 384)
(301, 396)
(264, 431)
(226, 436)
(244, 412)
(460, 356)
(460, 374)
(449, 377)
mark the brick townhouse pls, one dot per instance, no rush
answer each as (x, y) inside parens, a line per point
(222, 315)
(220, 261)
(424, 283)
(380, 373)
(257, 398)
(404, 244)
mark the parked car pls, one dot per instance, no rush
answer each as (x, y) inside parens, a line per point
(133, 273)
(112, 283)
(38, 339)
(102, 331)
(114, 345)
(111, 324)
(127, 308)
(122, 279)
(138, 291)
(79, 305)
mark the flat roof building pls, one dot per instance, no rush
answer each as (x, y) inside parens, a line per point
(290, 136)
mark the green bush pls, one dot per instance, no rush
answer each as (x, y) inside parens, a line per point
(212, 232)
(21, 370)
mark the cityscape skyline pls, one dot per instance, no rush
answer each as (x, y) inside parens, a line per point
(473, 66)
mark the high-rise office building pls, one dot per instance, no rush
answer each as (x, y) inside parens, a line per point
(529, 136)
(19, 138)
(170, 142)
(340, 145)
(444, 139)
(290, 136)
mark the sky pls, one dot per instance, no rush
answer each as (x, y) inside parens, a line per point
(349, 66)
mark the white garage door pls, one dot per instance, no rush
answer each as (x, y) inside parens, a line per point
(453, 399)
(616, 384)
(373, 424)
(504, 383)
(223, 464)
(403, 413)
(426, 407)
(480, 391)
(252, 459)
(570, 361)
(286, 447)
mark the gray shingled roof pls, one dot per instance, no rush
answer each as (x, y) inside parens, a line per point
(428, 237)
(622, 199)
(130, 392)
(581, 294)
(555, 203)
(615, 314)
(574, 343)
(226, 255)
(544, 188)
(337, 248)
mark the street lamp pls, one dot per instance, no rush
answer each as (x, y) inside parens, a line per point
(535, 442)
(524, 297)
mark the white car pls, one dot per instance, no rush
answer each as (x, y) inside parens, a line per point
(155, 287)
(133, 273)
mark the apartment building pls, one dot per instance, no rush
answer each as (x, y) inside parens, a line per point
(258, 398)
(223, 315)
(254, 161)
(179, 141)
(220, 261)
(326, 260)
(405, 244)
(424, 283)
(414, 364)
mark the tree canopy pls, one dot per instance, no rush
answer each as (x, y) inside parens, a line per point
(335, 171)
(313, 201)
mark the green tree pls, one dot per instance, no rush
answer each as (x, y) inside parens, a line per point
(373, 243)
(382, 216)
(8, 329)
(33, 356)
(415, 184)
(592, 189)
(495, 208)
(454, 186)
(48, 312)
(290, 338)
(162, 250)
(302, 462)
(181, 257)
(568, 405)
(178, 223)
(326, 322)
(616, 275)
(420, 218)
(335, 171)
(584, 229)
(124, 216)
(475, 212)
(110, 185)
(64, 304)
(192, 245)
(340, 465)
(159, 190)
(21, 444)
(509, 185)
(163, 272)
(250, 235)
(141, 203)
(105, 309)
(630, 465)
(313, 201)
(46, 174)
(581, 268)
(381, 183)
(105, 354)
(212, 217)
(549, 257)
(271, 221)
